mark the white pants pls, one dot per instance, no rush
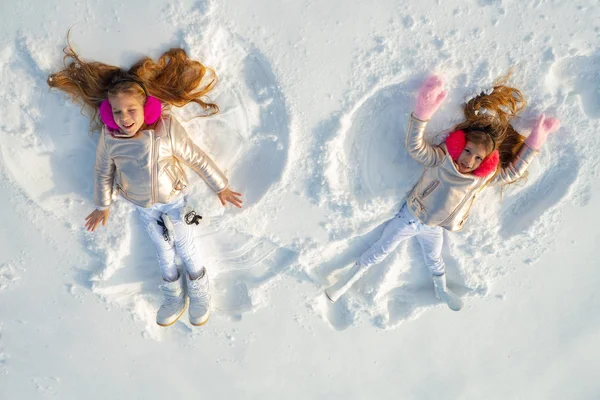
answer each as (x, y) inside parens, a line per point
(400, 228)
(182, 238)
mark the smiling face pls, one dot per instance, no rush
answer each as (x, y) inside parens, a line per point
(471, 157)
(128, 112)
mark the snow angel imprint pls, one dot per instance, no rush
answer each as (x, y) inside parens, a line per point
(483, 150)
(139, 156)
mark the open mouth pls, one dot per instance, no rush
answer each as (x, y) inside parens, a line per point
(129, 126)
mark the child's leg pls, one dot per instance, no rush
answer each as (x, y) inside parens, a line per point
(164, 249)
(198, 287)
(397, 230)
(184, 241)
(431, 240)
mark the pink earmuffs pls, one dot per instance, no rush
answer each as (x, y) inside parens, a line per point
(456, 142)
(152, 111)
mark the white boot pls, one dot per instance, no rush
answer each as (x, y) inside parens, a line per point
(443, 293)
(340, 287)
(175, 302)
(199, 293)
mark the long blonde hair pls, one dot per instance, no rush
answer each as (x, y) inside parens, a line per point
(175, 79)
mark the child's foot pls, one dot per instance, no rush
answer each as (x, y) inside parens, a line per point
(199, 294)
(446, 295)
(335, 291)
(175, 302)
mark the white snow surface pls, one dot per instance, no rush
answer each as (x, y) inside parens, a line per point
(315, 97)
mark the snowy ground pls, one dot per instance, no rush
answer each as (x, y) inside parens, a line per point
(315, 97)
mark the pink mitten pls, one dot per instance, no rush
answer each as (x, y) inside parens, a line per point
(431, 95)
(543, 127)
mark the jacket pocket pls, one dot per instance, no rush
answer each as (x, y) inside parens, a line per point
(416, 206)
(430, 188)
(167, 169)
(175, 175)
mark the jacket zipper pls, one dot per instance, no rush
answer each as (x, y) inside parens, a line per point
(430, 189)
(153, 167)
(453, 213)
(173, 179)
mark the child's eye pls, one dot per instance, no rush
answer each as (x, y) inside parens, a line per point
(116, 112)
(479, 158)
(467, 151)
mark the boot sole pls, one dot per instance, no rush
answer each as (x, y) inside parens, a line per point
(329, 298)
(203, 322)
(446, 303)
(176, 319)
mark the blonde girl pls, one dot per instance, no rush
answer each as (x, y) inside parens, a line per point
(481, 151)
(140, 152)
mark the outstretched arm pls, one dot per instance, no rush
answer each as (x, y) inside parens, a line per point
(431, 95)
(104, 175)
(534, 142)
(188, 152)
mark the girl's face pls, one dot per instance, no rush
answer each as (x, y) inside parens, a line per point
(471, 157)
(127, 111)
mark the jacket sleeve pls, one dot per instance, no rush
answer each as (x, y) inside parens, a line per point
(418, 148)
(104, 175)
(517, 167)
(188, 152)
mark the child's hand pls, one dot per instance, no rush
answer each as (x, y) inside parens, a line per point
(543, 127)
(95, 218)
(431, 95)
(230, 196)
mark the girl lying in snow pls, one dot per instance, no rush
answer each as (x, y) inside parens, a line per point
(140, 151)
(483, 150)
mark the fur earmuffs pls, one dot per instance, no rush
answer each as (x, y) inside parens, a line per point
(456, 142)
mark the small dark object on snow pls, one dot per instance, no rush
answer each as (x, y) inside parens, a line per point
(192, 218)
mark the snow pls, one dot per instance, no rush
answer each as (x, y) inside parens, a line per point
(314, 99)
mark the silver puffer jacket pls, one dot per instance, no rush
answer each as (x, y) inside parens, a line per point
(443, 196)
(146, 169)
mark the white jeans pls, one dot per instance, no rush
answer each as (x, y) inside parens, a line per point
(400, 228)
(182, 238)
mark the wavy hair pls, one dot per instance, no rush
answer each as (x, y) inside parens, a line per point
(175, 79)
